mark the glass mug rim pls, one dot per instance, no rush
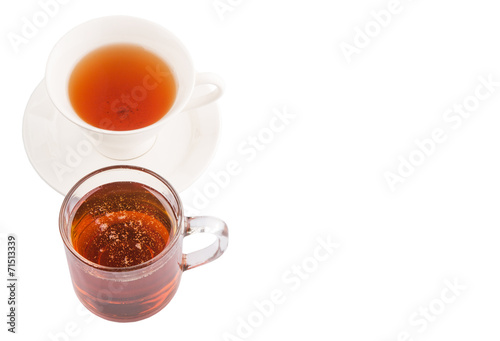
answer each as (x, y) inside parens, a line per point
(178, 217)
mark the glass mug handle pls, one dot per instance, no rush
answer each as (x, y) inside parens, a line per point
(206, 78)
(211, 225)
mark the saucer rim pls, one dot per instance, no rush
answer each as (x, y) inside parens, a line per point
(214, 132)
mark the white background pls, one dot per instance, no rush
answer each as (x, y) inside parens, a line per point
(322, 177)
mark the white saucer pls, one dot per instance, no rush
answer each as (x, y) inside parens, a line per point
(61, 153)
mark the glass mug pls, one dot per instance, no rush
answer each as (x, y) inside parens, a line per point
(137, 291)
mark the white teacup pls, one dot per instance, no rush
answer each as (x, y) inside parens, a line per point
(77, 43)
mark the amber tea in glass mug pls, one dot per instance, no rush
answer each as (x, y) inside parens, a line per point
(123, 228)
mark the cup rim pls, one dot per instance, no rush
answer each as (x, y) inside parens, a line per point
(80, 122)
(166, 251)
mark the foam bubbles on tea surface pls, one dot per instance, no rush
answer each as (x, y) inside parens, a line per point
(121, 225)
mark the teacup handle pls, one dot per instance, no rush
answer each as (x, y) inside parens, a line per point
(206, 78)
(211, 225)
